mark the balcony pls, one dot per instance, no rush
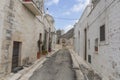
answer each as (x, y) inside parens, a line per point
(31, 5)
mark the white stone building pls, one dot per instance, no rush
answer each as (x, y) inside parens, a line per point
(22, 25)
(97, 37)
(54, 38)
(50, 32)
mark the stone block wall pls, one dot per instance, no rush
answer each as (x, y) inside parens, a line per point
(18, 24)
(2, 4)
(106, 61)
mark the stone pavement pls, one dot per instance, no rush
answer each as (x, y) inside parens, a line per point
(56, 67)
(27, 71)
(83, 70)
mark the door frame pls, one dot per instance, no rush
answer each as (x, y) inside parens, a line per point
(85, 47)
(19, 54)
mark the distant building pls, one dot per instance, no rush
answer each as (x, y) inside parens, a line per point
(59, 33)
(62, 32)
(67, 38)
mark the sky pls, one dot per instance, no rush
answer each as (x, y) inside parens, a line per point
(65, 12)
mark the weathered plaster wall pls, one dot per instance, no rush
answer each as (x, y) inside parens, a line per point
(79, 32)
(76, 31)
(107, 59)
(30, 28)
(54, 37)
(106, 62)
(19, 25)
(2, 7)
(49, 27)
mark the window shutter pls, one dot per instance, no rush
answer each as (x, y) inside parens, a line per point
(102, 33)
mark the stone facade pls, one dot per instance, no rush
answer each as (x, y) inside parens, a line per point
(50, 32)
(59, 33)
(101, 54)
(18, 24)
(54, 37)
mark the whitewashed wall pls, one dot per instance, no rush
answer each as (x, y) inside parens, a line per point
(21, 25)
(2, 7)
(107, 61)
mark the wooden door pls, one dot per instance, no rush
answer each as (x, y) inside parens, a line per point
(85, 56)
(15, 56)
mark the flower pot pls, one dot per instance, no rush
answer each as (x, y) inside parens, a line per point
(38, 55)
(44, 52)
(96, 48)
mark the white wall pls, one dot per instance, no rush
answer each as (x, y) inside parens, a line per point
(107, 61)
(25, 28)
(28, 28)
(49, 23)
(79, 32)
(2, 4)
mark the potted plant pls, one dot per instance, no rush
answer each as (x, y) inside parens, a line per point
(38, 55)
(44, 52)
(96, 48)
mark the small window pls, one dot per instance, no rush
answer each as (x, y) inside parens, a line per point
(96, 44)
(102, 33)
(89, 44)
(79, 34)
(89, 58)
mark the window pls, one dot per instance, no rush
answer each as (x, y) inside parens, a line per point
(78, 37)
(102, 33)
(88, 43)
(89, 58)
(96, 44)
(79, 34)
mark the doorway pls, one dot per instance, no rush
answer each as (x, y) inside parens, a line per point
(85, 56)
(16, 54)
(40, 43)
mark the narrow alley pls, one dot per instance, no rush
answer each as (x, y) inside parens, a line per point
(57, 67)
(59, 39)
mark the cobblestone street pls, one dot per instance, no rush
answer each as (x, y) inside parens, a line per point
(57, 67)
